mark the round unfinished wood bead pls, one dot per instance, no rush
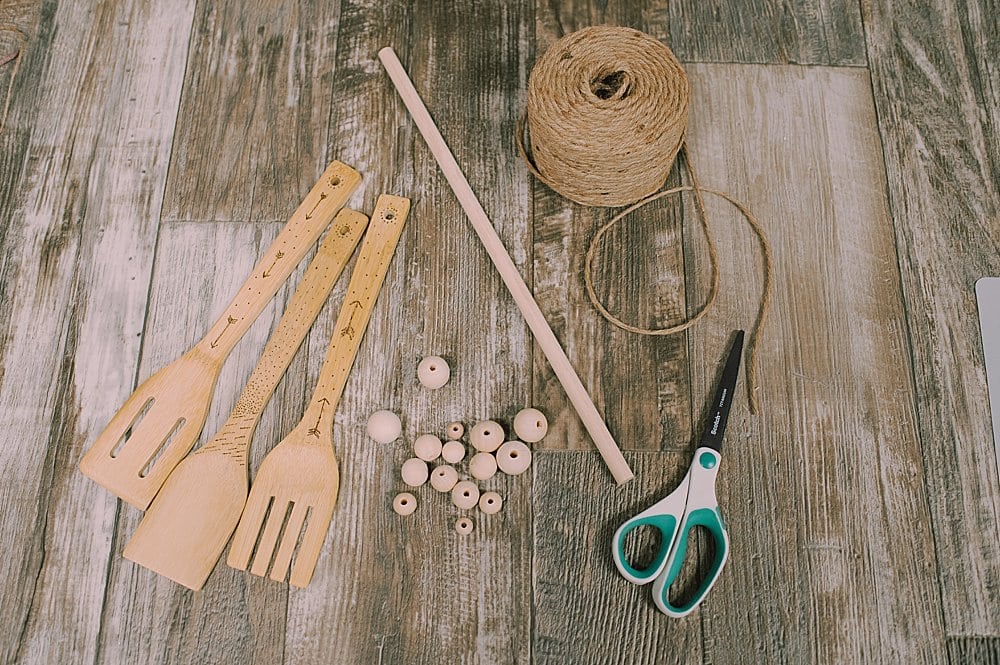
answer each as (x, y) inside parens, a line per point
(384, 426)
(427, 447)
(465, 494)
(463, 526)
(530, 425)
(455, 430)
(483, 466)
(490, 503)
(404, 503)
(414, 472)
(433, 372)
(486, 436)
(514, 458)
(444, 478)
(453, 452)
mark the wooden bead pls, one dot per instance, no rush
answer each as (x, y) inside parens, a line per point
(483, 466)
(414, 472)
(463, 526)
(427, 447)
(444, 478)
(465, 494)
(384, 426)
(455, 430)
(433, 372)
(490, 503)
(404, 503)
(453, 452)
(530, 425)
(486, 436)
(514, 458)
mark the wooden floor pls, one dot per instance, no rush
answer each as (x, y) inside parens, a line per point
(152, 150)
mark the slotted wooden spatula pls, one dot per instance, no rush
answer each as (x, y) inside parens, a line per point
(296, 487)
(161, 421)
(183, 533)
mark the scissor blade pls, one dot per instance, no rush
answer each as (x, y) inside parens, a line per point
(715, 426)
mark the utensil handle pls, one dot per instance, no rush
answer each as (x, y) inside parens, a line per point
(546, 339)
(326, 198)
(664, 516)
(302, 310)
(702, 511)
(366, 281)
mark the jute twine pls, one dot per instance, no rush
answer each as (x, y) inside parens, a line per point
(607, 115)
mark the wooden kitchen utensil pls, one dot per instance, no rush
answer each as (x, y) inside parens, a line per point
(296, 487)
(161, 421)
(187, 526)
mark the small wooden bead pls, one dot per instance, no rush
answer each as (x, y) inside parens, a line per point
(455, 430)
(414, 472)
(465, 494)
(490, 503)
(427, 447)
(453, 452)
(433, 372)
(463, 526)
(486, 436)
(530, 425)
(483, 466)
(443, 478)
(514, 458)
(404, 503)
(384, 426)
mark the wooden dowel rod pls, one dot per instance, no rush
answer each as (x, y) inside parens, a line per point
(546, 339)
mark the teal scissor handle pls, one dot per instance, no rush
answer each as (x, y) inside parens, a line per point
(665, 516)
(691, 505)
(702, 510)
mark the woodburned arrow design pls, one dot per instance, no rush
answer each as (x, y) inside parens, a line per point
(277, 257)
(230, 320)
(314, 430)
(322, 195)
(348, 331)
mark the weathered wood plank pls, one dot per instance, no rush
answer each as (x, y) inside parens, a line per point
(804, 32)
(252, 125)
(412, 591)
(585, 612)
(824, 491)
(647, 288)
(104, 80)
(978, 650)
(236, 618)
(937, 91)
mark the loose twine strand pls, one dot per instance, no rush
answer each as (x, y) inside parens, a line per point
(22, 40)
(607, 115)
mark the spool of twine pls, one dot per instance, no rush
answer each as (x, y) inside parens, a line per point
(607, 115)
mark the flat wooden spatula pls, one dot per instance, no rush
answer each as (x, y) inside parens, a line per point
(292, 498)
(161, 421)
(187, 526)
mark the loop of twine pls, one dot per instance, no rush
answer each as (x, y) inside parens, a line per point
(607, 115)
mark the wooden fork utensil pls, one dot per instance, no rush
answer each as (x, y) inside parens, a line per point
(296, 487)
(161, 421)
(187, 526)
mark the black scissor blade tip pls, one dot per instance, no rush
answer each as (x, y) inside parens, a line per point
(715, 428)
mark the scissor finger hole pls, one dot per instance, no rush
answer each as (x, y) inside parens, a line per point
(641, 546)
(696, 567)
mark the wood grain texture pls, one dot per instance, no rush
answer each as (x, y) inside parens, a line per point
(258, 90)
(937, 91)
(234, 618)
(79, 231)
(585, 612)
(411, 591)
(803, 32)
(830, 526)
(639, 274)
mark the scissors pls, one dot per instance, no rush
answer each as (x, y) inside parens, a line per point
(691, 505)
